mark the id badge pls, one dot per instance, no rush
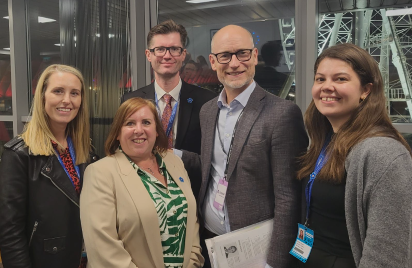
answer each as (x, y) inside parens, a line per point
(84, 253)
(304, 243)
(220, 195)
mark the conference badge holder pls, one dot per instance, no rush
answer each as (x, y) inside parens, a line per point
(220, 194)
(304, 243)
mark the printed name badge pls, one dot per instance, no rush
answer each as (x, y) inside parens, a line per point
(220, 195)
(303, 244)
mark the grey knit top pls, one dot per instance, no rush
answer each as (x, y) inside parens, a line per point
(378, 203)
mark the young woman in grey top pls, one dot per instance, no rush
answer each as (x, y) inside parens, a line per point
(361, 203)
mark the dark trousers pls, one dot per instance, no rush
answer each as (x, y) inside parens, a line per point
(321, 259)
(206, 234)
(205, 254)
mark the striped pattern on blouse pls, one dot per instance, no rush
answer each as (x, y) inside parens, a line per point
(171, 207)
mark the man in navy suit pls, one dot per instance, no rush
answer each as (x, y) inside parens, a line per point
(178, 102)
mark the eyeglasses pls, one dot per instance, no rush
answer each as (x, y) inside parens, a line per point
(241, 55)
(161, 51)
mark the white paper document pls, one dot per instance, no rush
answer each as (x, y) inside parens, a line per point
(243, 248)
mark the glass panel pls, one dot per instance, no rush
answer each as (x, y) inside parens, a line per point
(93, 37)
(388, 39)
(6, 134)
(270, 22)
(44, 28)
(5, 70)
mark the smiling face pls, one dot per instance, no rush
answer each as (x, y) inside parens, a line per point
(138, 134)
(166, 66)
(235, 75)
(62, 99)
(337, 91)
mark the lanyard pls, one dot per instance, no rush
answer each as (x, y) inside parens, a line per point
(231, 142)
(322, 159)
(73, 156)
(172, 116)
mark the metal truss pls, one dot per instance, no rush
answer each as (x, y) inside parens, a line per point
(386, 39)
(391, 36)
(287, 37)
(334, 29)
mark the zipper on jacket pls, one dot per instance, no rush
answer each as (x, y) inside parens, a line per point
(34, 230)
(60, 189)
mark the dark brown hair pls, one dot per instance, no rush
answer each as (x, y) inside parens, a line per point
(125, 110)
(167, 27)
(370, 118)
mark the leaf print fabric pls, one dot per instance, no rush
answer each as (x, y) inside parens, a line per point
(171, 207)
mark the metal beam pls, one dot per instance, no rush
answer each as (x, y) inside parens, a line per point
(306, 49)
(143, 16)
(19, 62)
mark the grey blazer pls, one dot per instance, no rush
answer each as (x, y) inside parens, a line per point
(261, 172)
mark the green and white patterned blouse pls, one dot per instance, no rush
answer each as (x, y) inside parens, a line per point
(171, 207)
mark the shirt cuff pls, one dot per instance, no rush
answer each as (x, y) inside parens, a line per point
(268, 266)
(179, 153)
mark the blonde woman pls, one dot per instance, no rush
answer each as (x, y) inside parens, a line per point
(41, 176)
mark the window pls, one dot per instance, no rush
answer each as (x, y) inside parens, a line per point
(387, 38)
(270, 22)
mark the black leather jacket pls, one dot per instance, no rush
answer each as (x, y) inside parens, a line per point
(39, 211)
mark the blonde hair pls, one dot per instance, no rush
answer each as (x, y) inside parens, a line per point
(37, 134)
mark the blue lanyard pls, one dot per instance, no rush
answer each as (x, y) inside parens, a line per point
(172, 116)
(322, 159)
(73, 156)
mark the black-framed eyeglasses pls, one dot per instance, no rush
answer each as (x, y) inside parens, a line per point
(161, 51)
(241, 55)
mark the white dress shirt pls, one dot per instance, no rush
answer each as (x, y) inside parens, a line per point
(162, 104)
(218, 221)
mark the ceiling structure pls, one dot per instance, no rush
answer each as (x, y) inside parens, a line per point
(44, 36)
(237, 11)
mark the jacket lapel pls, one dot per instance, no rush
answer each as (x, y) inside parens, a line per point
(144, 206)
(54, 171)
(184, 185)
(207, 147)
(185, 112)
(149, 92)
(252, 110)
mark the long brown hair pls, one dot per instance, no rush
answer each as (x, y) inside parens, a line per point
(370, 118)
(125, 110)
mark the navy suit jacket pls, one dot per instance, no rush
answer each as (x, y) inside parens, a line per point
(188, 136)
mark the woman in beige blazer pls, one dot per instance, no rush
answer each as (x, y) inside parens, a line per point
(137, 208)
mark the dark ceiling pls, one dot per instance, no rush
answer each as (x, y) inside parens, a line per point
(45, 35)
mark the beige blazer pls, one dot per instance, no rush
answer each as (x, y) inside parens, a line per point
(119, 220)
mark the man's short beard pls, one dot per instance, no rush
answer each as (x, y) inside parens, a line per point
(235, 84)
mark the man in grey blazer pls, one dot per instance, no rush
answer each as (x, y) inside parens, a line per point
(259, 136)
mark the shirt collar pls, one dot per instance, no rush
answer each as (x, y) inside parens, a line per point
(159, 160)
(174, 92)
(242, 98)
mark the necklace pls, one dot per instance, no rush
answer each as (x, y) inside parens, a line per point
(150, 168)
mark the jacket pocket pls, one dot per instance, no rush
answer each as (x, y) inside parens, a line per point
(32, 232)
(54, 245)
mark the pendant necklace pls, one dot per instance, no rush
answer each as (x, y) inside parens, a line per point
(150, 168)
